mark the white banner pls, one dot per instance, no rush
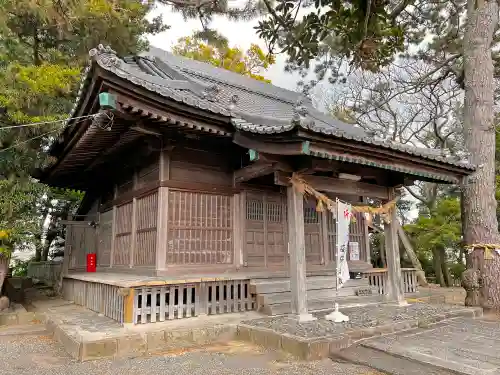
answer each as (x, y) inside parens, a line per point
(343, 221)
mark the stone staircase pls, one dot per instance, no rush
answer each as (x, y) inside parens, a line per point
(273, 296)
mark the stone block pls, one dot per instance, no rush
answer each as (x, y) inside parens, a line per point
(243, 333)
(98, 349)
(338, 343)
(26, 318)
(69, 344)
(131, 346)
(8, 319)
(430, 320)
(266, 338)
(363, 333)
(318, 349)
(179, 339)
(155, 340)
(295, 346)
(224, 332)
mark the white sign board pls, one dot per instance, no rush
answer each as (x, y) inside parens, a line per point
(353, 250)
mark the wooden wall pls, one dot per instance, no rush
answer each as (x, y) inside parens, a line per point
(179, 211)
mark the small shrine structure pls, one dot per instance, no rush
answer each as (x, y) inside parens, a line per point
(190, 202)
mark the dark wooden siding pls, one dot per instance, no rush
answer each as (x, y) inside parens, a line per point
(198, 166)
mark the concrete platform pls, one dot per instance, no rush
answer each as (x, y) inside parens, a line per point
(320, 338)
(87, 335)
(462, 346)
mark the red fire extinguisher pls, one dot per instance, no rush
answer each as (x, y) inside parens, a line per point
(91, 262)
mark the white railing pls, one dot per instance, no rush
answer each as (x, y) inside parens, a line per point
(378, 279)
(410, 282)
(157, 304)
(101, 298)
(47, 272)
(180, 301)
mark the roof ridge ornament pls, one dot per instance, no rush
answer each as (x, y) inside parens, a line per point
(233, 102)
(210, 93)
(105, 55)
(300, 114)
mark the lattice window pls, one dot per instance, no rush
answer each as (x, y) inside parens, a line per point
(200, 228)
(146, 220)
(123, 234)
(311, 216)
(255, 210)
(274, 212)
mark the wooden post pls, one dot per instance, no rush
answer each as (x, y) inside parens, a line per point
(366, 237)
(243, 218)
(128, 307)
(162, 229)
(113, 238)
(395, 290)
(133, 236)
(237, 235)
(296, 246)
(326, 258)
(162, 225)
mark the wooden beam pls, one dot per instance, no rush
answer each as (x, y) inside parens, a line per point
(273, 148)
(252, 171)
(336, 185)
(411, 254)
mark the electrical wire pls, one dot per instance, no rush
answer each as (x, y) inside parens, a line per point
(46, 122)
(39, 136)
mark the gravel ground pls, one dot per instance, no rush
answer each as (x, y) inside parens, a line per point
(41, 355)
(359, 317)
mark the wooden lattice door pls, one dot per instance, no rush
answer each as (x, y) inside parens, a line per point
(265, 231)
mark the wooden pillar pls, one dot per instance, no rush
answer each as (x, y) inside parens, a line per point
(162, 229)
(296, 248)
(395, 290)
(366, 236)
(237, 233)
(162, 220)
(128, 307)
(133, 237)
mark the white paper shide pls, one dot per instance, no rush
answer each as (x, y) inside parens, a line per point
(344, 212)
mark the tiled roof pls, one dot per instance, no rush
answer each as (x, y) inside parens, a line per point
(251, 105)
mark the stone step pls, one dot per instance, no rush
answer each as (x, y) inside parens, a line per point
(387, 363)
(312, 295)
(313, 283)
(25, 329)
(321, 304)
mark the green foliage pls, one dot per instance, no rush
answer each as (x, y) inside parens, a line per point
(20, 267)
(248, 63)
(43, 48)
(367, 35)
(442, 229)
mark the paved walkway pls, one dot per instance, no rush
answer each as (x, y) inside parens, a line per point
(466, 346)
(41, 355)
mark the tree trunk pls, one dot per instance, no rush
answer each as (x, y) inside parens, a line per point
(444, 268)
(436, 262)
(4, 268)
(480, 219)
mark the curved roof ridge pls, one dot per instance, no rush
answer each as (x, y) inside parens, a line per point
(224, 76)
